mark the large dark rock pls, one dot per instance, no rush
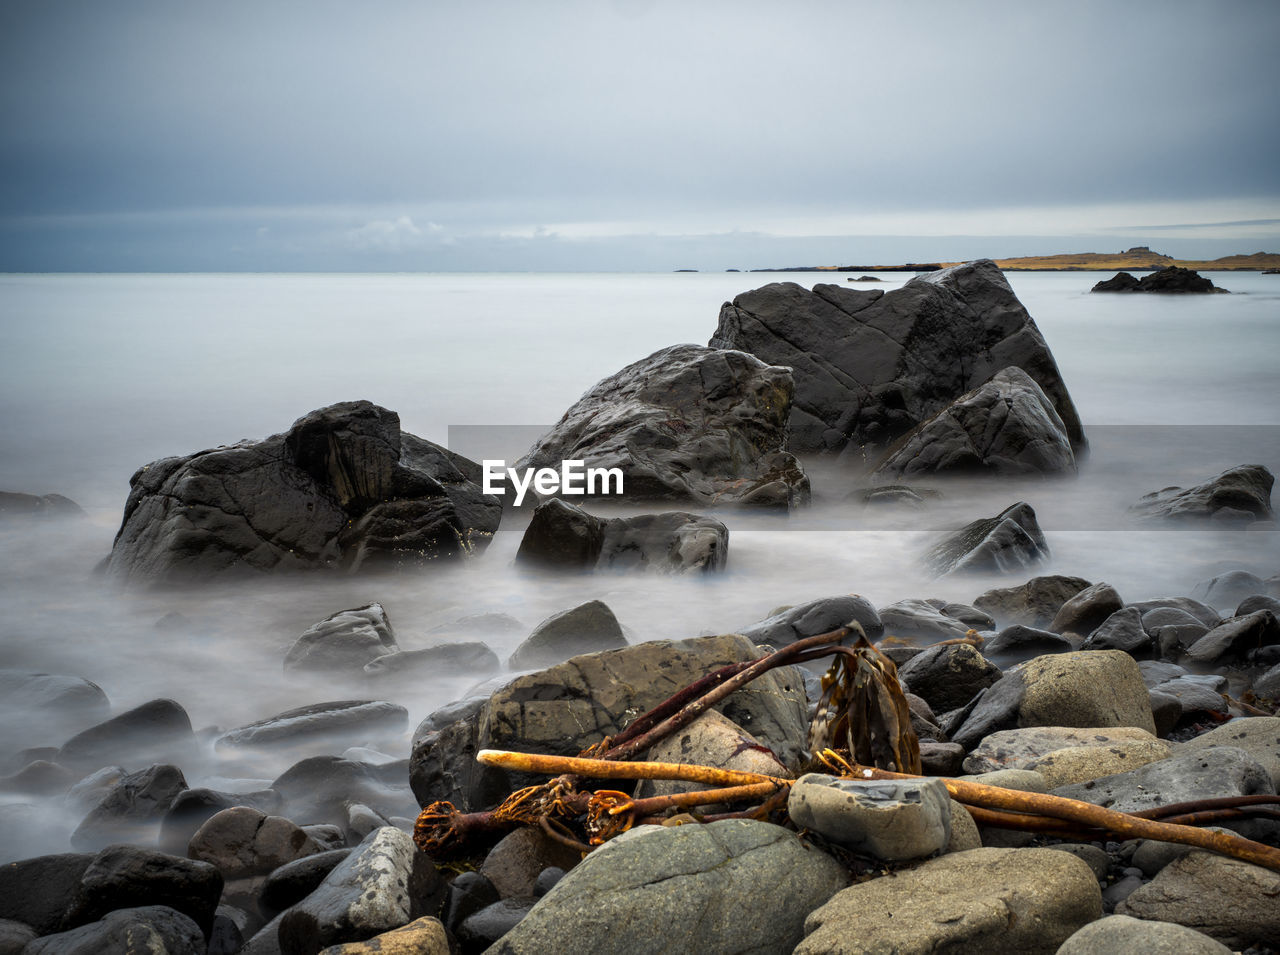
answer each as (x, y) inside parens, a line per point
(346, 640)
(132, 809)
(321, 789)
(1005, 426)
(14, 504)
(37, 891)
(869, 366)
(948, 676)
(158, 729)
(1171, 279)
(341, 720)
(123, 877)
(1019, 643)
(147, 930)
(192, 807)
(1087, 610)
(1120, 282)
(919, 618)
(1012, 540)
(583, 629)
(294, 881)
(814, 617)
(685, 424)
(244, 842)
(562, 536)
(1240, 494)
(1234, 639)
(568, 707)
(344, 487)
(1033, 604)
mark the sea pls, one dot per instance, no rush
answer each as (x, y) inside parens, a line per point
(101, 374)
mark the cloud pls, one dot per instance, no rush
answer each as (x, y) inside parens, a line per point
(388, 235)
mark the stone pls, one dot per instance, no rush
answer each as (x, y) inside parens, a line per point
(55, 703)
(1232, 901)
(16, 506)
(146, 930)
(1032, 604)
(1094, 688)
(384, 884)
(1166, 711)
(1023, 900)
(965, 613)
(1018, 643)
(483, 929)
(948, 675)
(320, 789)
(1235, 639)
(14, 936)
(342, 720)
(869, 366)
(1194, 608)
(1095, 858)
(1123, 933)
(892, 820)
(561, 536)
(567, 707)
(156, 730)
(36, 891)
(1259, 736)
(587, 628)
(731, 886)
(344, 641)
(434, 662)
(1087, 610)
(191, 808)
(964, 831)
(1012, 540)
(1005, 426)
(294, 881)
(1120, 282)
(1078, 764)
(711, 740)
(1022, 748)
(343, 489)
(1122, 630)
(39, 778)
(941, 759)
(918, 618)
(423, 936)
(514, 864)
(1257, 602)
(468, 893)
(1267, 686)
(1245, 490)
(131, 810)
(1172, 279)
(244, 842)
(125, 877)
(809, 619)
(1196, 700)
(685, 424)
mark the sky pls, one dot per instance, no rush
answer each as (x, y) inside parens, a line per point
(430, 135)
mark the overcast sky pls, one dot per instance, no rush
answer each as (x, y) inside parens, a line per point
(617, 134)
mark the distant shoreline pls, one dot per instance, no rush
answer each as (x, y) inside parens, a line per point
(1140, 259)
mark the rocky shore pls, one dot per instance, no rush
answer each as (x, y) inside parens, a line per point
(1048, 685)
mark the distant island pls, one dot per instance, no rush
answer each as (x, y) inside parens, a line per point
(1139, 258)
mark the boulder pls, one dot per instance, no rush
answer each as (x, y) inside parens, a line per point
(1000, 900)
(1232, 901)
(814, 617)
(343, 488)
(14, 936)
(948, 676)
(1033, 604)
(36, 891)
(191, 808)
(131, 810)
(321, 789)
(1201, 612)
(685, 424)
(869, 366)
(1017, 644)
(1095, 688)
(1244, 490)
(572, 705)
(1173, 279)
(423, 936)
(156, 730)
(15, 505)
(384, 884)
(328, 722)
(124, 877)
(1267, 686)
(1022, 748)
(294, 881)
(243, 842)
(1122, 630)
(587, 628)
(1005, 426)
(150, 929)
(520, 857)
(1123, 933)
(919, 618)
(1120, 282)
(1012, 540)
(1087, 610)
(892, 819)
(731, 886)
(1234, 640)
(561, 536)
(343, 641)
(711, 740)
(55, 704)
(1259, 736)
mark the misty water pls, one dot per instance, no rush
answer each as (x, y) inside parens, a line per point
(100, 374)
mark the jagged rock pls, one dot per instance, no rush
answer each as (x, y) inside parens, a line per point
(131, 810)
(731, 886)
(1033, 604)
(870, 366)
(1005, 426)
(346, 640)
(1013, 900)
(1245, 489)
(147, 930)
(814, 617)
(588, 628)
(1012, 540)
(155, 730)
(1122, 933)
(948, 676)
(565, 537)
(892, 819)
(567, 707)
(344, 487)
(1087, 610)
(919, 618)
(1236, 638)
(686, 424)
(1120, 282)
(343, 719)
(1122, 630)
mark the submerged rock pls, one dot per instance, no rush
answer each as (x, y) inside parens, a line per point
(15, 505)
(813, 617)
(584, 629)
(346, 640)
(1012, 540)
(343, 488)
(686, 424)
(1240, 494)
(869, 366)
(343, 719)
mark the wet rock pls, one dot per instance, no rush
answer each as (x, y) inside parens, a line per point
(1267, 686)
(320, 789)
(711, 740)
(1259, 736)
(343, 720)
(244, 842)
(514, 864)
(1095, 688)
(423, 936)
(1024, 900)
(1194, 608)
(36, 891)
(39, 778)
(918, 618)
(155, 730)
(1017, 644)
(1172, 630)
(191, 808)
(948, 676)
(294, 881)
(814, 617)
(870, 366)
(384, 884)
(893, 820)
(1234, 902)
(1237, 638)
(735, 885)
(147, 930)
(941, 759)
(1121, 631)
(441, 660)
(344, 487)
(686, 424)
(1120, 282)
(1172, 279)
(587, 628)
(14, 936)
(131, 810)
(1012, 540)
(1244, 491)
(1122, 933)
(1197, 700)
(1006, 426)
(343, 641)
(566, 708)
(124, 877)
(1033, 604)
(467, 894)
(15, 505)
(1087, 610)
(486, 927)
(564, 537)
(1022, 748)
